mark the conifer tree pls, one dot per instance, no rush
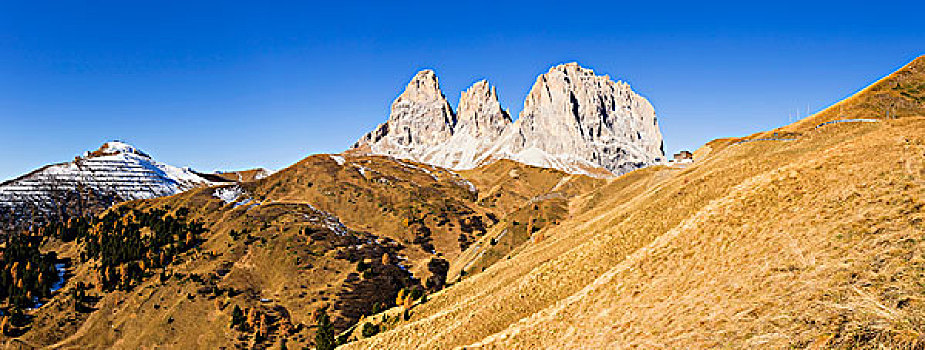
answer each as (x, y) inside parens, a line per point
(400, 299)
(237, 316)
(324, 336)
(262, 330)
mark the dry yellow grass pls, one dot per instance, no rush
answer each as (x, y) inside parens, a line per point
(815, 242)
(527, 200)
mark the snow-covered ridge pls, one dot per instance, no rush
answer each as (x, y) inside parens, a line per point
(116, 170)
(117, 147)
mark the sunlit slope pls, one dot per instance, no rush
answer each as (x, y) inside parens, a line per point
(527, 200)
(824, 249)
(775, 243)
(342, 233)
(897, 95)
(900, 94)
(309, 237)
(285, 260)
(428, 210)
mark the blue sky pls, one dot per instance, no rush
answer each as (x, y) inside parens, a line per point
(238, 84)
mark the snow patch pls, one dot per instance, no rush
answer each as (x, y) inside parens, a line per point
(329, 221)
(228, 194)
(423, 170)
(361, 169)
(263, 174)
(467, 184)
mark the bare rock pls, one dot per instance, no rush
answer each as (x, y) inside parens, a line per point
(573, 120)
(420, 119)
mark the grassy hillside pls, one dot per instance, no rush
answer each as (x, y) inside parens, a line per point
(340, 234)
(281, 262)
(897, 95)
(530, 199)
(810, 242)
(808, 236)
(900, 94)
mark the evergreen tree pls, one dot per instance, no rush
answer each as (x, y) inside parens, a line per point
(324, 336)
(237, 316)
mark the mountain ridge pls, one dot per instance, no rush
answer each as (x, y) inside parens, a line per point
(115, 172)
(573, 120)
(806, 236)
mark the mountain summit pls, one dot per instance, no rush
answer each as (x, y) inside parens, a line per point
(115, 172)
(480, 113)
(480, 121)
(421, 118)
(572, 120)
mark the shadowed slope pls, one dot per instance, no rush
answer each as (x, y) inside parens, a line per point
(335, 232)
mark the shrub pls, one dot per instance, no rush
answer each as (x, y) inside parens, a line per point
(370, 329)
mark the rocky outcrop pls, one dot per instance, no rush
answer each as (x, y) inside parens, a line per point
(572, 120)
(421, 119)
(481, 120)
(480, 113)
(575, 120)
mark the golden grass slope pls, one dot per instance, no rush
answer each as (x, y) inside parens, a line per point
(394, 198)
(275, 244)
(900, 94)
(287, 266)
(815, 242)
(527, 200)
(788, 257)
(897, 95)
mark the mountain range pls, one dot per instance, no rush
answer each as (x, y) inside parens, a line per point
(433, 232)
(572, 120)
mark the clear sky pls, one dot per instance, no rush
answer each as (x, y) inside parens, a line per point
(236, 84)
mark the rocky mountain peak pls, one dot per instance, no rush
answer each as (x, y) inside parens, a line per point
(573, 113)
(573, 120)
(479, 112)
(420, 118)
(422, 87)
(118, 147)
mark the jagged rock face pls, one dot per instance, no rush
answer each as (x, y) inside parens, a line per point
(421, 118)
(480, 113)
(480, 122)
(572, 120)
